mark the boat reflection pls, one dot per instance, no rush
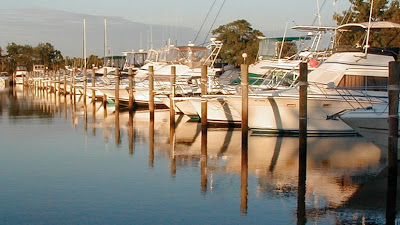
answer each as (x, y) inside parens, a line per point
(343, 173)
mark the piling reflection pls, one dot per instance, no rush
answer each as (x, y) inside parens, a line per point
(151, 142)
(131, 134)
(341, 172)
(117, 128)
(244, 179)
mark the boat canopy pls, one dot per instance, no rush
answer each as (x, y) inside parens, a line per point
(135, 59)
(313, 28)
(268, 48)
(365, 25)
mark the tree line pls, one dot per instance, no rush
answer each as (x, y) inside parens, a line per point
(26, 56)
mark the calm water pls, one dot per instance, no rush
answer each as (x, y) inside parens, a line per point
(62, 163)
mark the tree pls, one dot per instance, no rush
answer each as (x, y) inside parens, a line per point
(238, 37)
(19, 55)
(47, 55)
(383, 10)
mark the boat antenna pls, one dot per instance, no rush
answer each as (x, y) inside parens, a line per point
(204, 21)
(84, 42)
(105, 41)
(318, 15)
(205, 39)
(151, 36)
(369, 28)
(283, 42)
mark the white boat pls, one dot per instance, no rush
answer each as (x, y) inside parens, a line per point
(4, 78)
(371, 122)
(277, 111)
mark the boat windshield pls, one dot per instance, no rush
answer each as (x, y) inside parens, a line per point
(152, 56)
(135, 59)
(169, 54)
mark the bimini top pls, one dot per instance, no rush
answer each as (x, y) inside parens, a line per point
(363, 26)
(313, 28)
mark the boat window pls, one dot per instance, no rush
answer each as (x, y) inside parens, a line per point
(364, 82)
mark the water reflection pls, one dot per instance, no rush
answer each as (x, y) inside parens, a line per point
(346, 176)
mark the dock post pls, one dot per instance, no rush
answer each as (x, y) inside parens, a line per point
(301, 213)
(203, 82)
(73, 86)
(65, 83)
(172, 120)
(93, 85)
(104, 95)
(393, 92)
(84, 85)
(116, 88)
(244, 68)
(171, 104)
(151, 92)
(130, 75)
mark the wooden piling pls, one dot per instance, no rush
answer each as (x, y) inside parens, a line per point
(394, 87)
(130, 75)
(244, 68)
(301, 213)
(171, 103)
(93, 85)
(116, 101)
(105, 96)
(73, 86)
(203, 83)
(84, 85)
(303, 100)
(151, 92)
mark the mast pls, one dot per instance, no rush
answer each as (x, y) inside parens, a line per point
(84, 43)
(369, 28)
(105, 41)
(283, 42)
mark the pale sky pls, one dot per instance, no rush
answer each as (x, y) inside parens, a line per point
(264, 15)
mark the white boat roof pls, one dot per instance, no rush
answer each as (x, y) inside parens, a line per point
(313, 28)
(365, 25)
(350, 63)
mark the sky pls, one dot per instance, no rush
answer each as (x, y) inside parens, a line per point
(270, 17)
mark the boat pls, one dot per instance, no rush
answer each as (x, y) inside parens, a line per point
(346, 80)
(20, 73)
(370, 122)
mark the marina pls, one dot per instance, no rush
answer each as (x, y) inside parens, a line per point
(96, 165)
(237, 125)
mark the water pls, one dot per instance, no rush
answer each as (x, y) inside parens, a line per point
(73, 164)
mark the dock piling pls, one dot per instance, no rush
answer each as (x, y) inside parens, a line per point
(117, 78)
(393, 93)
(151, 92)
(301, 210)
(130, 75)
(204, 124)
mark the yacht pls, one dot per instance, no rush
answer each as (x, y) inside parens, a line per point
(346, 80)
(370, 122)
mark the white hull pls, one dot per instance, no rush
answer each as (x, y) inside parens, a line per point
(281, 114)
(218, 110)
(185, 106)
(371, 123)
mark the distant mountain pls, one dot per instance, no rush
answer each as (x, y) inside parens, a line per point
(64, 30)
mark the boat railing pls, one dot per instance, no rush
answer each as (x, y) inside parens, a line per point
(355, 96)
